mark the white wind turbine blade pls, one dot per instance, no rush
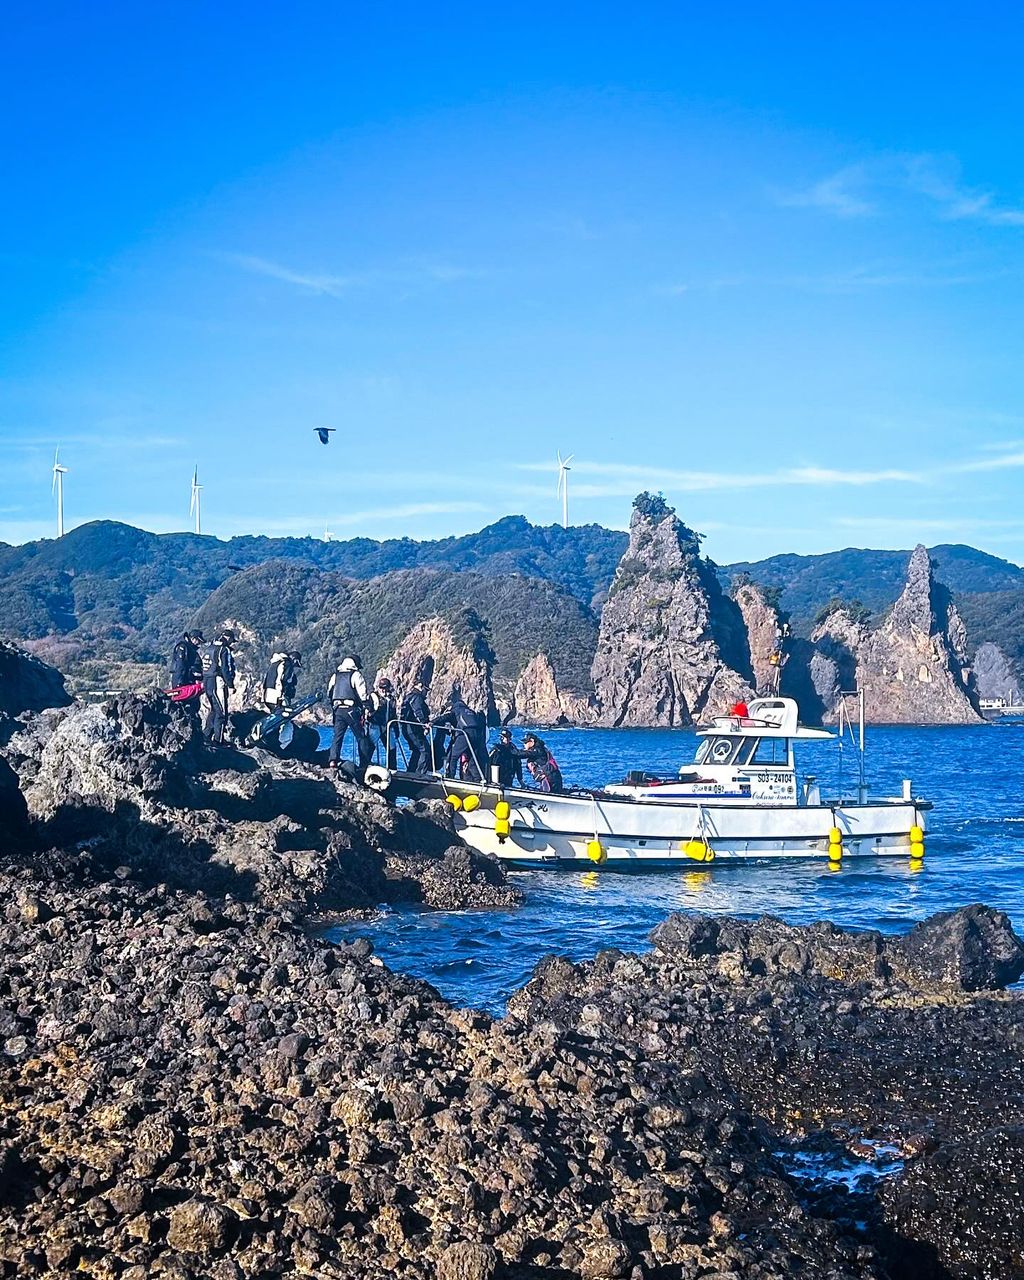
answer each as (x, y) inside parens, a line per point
(56, 465)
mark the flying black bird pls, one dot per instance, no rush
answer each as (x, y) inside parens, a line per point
(324, 433)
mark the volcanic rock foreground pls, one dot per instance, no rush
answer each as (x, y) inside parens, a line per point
(192, 1085)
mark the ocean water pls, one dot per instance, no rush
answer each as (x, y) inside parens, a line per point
(975, 853)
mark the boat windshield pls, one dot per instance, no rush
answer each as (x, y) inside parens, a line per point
(742, 751)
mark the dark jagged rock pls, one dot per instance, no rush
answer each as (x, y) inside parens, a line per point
(974, 949)
(27, 684)
(256, 1102)
(838, 1041)
(133, 784)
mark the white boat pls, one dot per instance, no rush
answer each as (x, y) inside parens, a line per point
(737, 800)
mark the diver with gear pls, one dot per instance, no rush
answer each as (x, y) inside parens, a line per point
(415, 715)
(383, 725)
(541, 763)
(218, 667)
(467, 747)
(349, 697)
(186, 665)
(505, 758)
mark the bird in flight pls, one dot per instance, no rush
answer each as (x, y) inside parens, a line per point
(324, 434)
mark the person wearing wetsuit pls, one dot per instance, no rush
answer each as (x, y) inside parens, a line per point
(349, 697)
(541, 764)
(186, 667)
(468, 746)
(218, 664)
(383, 717)
(415, 718)
(505, 757)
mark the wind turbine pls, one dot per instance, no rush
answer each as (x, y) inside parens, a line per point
(195, 506)
(57, 487)
(563, 486)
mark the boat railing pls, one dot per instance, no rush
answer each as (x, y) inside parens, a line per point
(436, 737)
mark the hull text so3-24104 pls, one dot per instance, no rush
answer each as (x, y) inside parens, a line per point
(738, 799)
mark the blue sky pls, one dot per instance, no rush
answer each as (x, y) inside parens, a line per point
(768, 260)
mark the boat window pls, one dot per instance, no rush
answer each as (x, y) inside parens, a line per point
(771, 751)
(717, 751)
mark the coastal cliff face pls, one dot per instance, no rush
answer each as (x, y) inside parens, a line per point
(763, 626)
(447, 662)
(538, 700)
(670, 642)
(914, 668)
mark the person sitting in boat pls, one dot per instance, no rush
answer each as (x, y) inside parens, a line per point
(281, 681)
(506, 759)
(541, 764)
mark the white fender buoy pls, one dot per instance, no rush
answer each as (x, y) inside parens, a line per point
(377, 777)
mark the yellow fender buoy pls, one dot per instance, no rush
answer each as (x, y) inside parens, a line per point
(916, 835)
(699, 851)
(502, 828)
(502, 809)
(470, 803)
(916, 851)
(455, 802)
(596, 851)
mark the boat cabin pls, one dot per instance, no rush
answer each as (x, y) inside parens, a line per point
(745, 757)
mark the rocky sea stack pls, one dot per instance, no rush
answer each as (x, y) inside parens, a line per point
(914, 667)
(672, 646)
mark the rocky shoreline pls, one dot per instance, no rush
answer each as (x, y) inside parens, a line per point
(193, 1083)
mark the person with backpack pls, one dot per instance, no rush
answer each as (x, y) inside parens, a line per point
(415, 716)
(281, 681)
(218, 664)
(383, 717)
(468, 747)
(350, 699)
(186, 666)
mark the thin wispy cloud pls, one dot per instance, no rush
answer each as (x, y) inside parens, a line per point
(865, 189)
(857, 279)
(841, 193)
(338, 285)
(617, 479)
(371, 515)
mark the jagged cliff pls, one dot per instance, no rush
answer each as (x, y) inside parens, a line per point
(671, 646)
(914, 668)
(447, 657)
(764, 634)
(538, 700)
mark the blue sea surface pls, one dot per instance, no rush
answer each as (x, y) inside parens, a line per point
(975, 853)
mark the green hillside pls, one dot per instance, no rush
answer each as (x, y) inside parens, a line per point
(325, 615)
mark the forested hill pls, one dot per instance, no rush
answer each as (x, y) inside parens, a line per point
(875, 578)
(110, 580)
(105, 602)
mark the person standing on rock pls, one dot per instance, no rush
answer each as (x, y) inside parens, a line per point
(281, 681)
(383, 721)
(186, 667)
(218, 665)
(506, 759)
(415, 716)
(350, 698)
(541, 764)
